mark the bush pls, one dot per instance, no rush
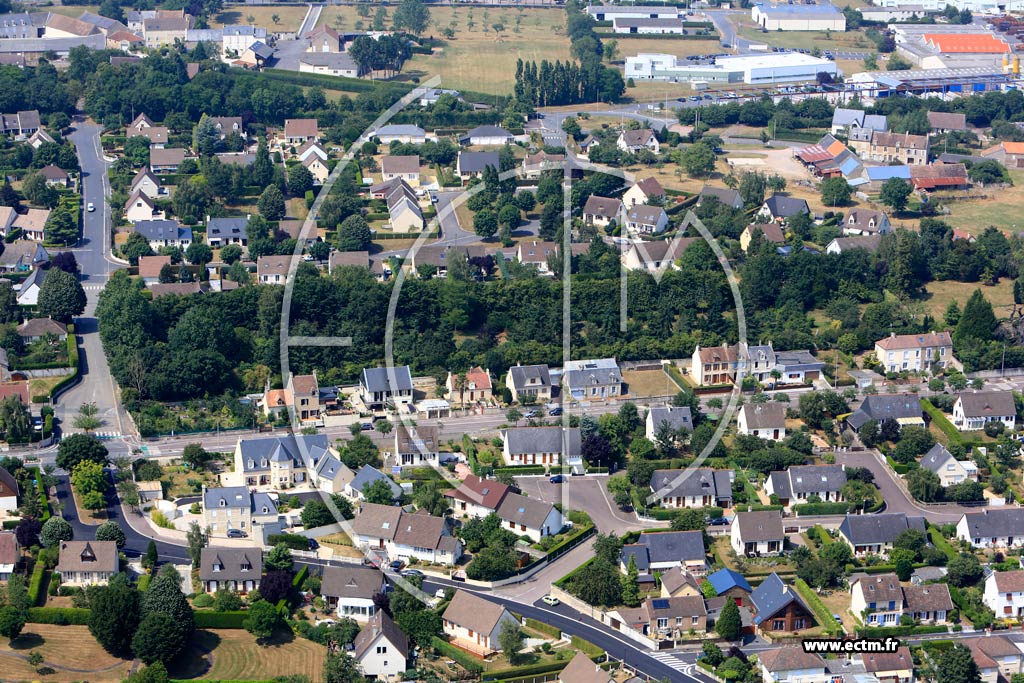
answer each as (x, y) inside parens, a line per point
(216, 620)
(60, 616)
(548, 629)
(821, 509)
(464, 659)
(202, 600)
(36, 594)
(293, 541)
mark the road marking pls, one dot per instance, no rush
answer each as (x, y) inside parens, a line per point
(669, 659)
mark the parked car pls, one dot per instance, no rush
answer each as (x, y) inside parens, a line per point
(439, 593)
(719, 521)
(551, 600)
(411, 572)
(90, 207)
(553, 412)
(237, 533)
(557, 479)
(530, 413)
(367, 426)
(397, 565)
(313, 545)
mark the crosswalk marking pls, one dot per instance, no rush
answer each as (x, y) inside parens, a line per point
(669, 659)
(92, 288)
(108, 435)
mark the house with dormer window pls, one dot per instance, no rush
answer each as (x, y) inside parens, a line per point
(389, 533)
(232, 509)
(866, 222)
(276, 462)
(380, 387)
(233, 569)
(693, 488)
(799, 483)
(87, 563)
(529, 382)
(348, 590)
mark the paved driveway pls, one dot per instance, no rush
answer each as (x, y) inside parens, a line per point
(585, 493)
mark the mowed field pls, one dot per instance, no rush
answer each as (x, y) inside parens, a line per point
(807, 40)
(1002, 209)
(70, 650)
(941, 293)
(477, 60)
(235, 655)
(72, 10)
(289, 17)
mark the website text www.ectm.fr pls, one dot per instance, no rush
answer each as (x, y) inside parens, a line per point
(824, 646)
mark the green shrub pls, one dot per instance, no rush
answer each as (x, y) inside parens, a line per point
(144, 582)
(464, 659)
(821, 613)
(548, 629)
(940, 542)
(807, 509)
(36, 594)
(293, 541)
(586, 647)
(60, 616)
(216, 620)
(202, 600)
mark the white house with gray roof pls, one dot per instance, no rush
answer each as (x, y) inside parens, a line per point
(530, 517)
(367, 475)
(676, 417)
(973, 410)
(875, 534)
(949, 470)
(588, 380)
(644, 219)
(798, 483)
(664, 550)
(405, 133)
(529, 382)
(276, 462)
(235, 508)
(693, 488)
(992, 528)
(331, 475)
(548, 446)
(233, 569)
(348, 590)
(472, 164)
(757, 533)
(763, 420)
(380, 387)
(223, 231)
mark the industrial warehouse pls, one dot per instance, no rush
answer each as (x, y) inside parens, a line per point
(766, 69)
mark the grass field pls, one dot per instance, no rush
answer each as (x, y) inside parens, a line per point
(649, 383)
(1001, 209)
(228, 654)
(628, 47)
(479, 60)
(42, 385)
(289, 17)
(807, 40)
(941, 293)
(70, 647)
(73, 10)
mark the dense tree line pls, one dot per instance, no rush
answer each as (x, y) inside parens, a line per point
(34, 88)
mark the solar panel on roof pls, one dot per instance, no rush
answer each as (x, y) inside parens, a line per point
(660, 603)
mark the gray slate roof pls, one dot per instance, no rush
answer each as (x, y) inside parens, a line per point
(808, 479)
(699, 482)
(522, 373)
(764, 415)
(784, 207)
(476, 162)
(885, 407)
(878, 529)
(380, 379)
(163, 230)
(525, 440)
(677, 417)
(669, 546)
(232, 560)
(988, 403)
(996, 523)
(724, 195)
(936, 458)
(763, 525)
(351, 581)
(522, 510)
(772, 596)
(226, 227)
(231, 496)
(367, 475)
(257, 454)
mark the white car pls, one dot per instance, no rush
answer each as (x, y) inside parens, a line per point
(90, 207)
(551, 600)
(439, 593)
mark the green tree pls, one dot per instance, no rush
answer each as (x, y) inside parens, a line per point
(61, 296)
(231, 253)
(378, 492)
(956, 665)
(835, 192)
(300, 180)
(631, 584)
(412, 16)
(164, 596)
(698, 160)
(924, 485)
(89, 476)
(263, 618)
(271, 204)
(115, 613)
(903, 563)
(199, 254)
(61, 228)
(135, 246)
(485, 223)
(420, 625)
(977, 322)
(111, 531)
(205, 137)
(157, 673)
(227, 601)
(150, 559)
(511, 641)
(341, 667)
(598, 583)
(158, 638)
(729, 625)
(315, 513)
(197, 539)
(964, 570)
(195, 457)
(55, 530)
(12, 621)
(354, 234)
(280, 557)
(895, 193)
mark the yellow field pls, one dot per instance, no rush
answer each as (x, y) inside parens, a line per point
(941, 293)
(1001, 209)
(70, 650)
(806, 40)
(289, 17)
(229, 654)
(73, 10)
(649, 383)
(475, 59)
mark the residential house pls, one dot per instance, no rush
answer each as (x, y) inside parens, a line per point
(228, 125)
(257, 55)
(915, 352)
(366, 476)
(32, 224)
(928, 603)
(234, 508)
(416, 446)
(998, 658)
(380, 387)
(324, 39)
(157, 135)
(10, 554)
(1009, 154)
(636, 140)
(722, 195)
(476, 387)
(7, 216)
(166, 160)
(405, 133)
(542, 446)
(8, 491)
(601, 211)
(40, 138)
(770, 232)
(678, 418)
(432, 95)
(656, 552)
(778, 607)
(273, 270)
(757, 533)
(763, 420)
(796, 367)
(944, 122)
(992, 528)
(299, 131)
(146, 183)
(329, 63)
(405, 168)
(667, 618)
(858, 222)
(37, 329)
(393, 534)
(875, 534)
(693, 488)
(973, 410)
(841, 245)
(730, 584)
(900, 148)
(381, 649)
(22, 255)
(476, 497)
(1004, 594)
(592, 379)
(474, 623)
(55, 176)
(276, 462)
(949, 470)
(655, 256)
(582, 669)
(234, 569)
(714, 365)
(586, 144)
(905, 409)
(779, 208)
(311, 148)
(890, 667)
(678, 583)
(530, 517)
(537, 253)
(166, 30)
(529, 383)
(761, 362)
(164, 233)
(534, 165)
(302, 393)
(643, 219)
(797, 484)
(331, 475)
(877, 599)
(20, 125)
(472, 164)
(644, 191)
(847, 120)
(221, 232)
(792, 665)
(28, 295)
(348, 590)
(486, 136)
(87, 563)
(404, 213)
(140, 207)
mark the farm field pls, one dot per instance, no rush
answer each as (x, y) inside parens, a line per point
(1001, 209)
(289, 17)
(807, 40)
(72, 10)
(478, 60)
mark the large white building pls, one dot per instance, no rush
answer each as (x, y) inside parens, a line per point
(798, 17)
(766, 69)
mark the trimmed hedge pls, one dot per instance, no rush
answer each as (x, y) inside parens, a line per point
(36, 592)
(586, 647)
(897, 467)
(526, 670)
(300, 577)
(293, 541)
(827, 622)
(940, 542)
(216, 620)
(550, 630)
(821, 509)
(10, 524)
(464, 659)
(144, 582)
(883, 631)
(60, 616)
(940, 420)
(38, 476)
